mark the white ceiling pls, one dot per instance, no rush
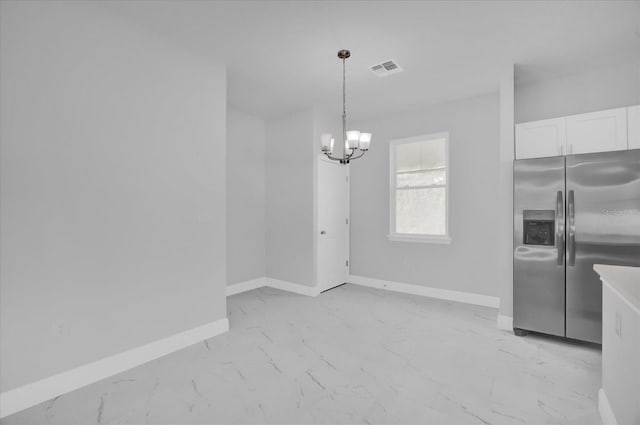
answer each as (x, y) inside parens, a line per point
(281, 55)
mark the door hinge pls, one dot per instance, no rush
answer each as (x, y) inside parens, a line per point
(347, 221)
(347, 263)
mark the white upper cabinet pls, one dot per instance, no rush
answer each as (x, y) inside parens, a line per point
(600, 131)
(633, 124)
(538, 139)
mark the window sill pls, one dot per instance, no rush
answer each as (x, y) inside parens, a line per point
(420, 238)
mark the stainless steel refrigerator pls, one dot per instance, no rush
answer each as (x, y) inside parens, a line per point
(571, 213)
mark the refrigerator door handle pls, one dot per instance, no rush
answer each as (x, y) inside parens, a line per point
(571, 244)
(560, 227)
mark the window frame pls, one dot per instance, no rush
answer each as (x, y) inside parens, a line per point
(415, 237)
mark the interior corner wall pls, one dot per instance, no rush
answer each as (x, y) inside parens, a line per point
(604, 88)
(469, 263)
(112, 188)
(246, 206)
(504, 233)
(290, 198)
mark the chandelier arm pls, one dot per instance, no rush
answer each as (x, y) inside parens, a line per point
(335, 158)
(359, 156)
(353, 151)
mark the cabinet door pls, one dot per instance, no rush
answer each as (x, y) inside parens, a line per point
(620, 351)
(538, 139)
(633, 124)
(600, 131)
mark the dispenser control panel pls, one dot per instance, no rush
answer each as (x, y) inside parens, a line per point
(539, 227)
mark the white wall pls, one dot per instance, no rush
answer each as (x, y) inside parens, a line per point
(112, 185)
(469, 263)
(290, 197)
(598, 89)
(246, 231)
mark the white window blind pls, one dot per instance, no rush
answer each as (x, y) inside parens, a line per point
(419, 188)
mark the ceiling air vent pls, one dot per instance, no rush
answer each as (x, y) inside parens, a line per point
(385, 68)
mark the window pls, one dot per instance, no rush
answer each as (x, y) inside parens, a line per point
(419, 177)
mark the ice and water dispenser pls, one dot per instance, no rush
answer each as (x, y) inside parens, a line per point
(539, 227)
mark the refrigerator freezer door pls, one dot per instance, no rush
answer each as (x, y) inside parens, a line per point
(538, 269)
(603, 227)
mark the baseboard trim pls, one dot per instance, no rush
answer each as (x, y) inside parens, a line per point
(283, 285)
(604, 408)
(505, 323)
(247, 285)
(29, 395)
(426, 291)
(296, 288)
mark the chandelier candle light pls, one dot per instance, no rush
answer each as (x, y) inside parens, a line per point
(353, 140)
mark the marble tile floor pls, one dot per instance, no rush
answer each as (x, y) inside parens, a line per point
(353, 355)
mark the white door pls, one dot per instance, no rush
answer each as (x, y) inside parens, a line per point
(333, 223)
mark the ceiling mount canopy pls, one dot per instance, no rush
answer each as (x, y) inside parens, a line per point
(344, 54)
(352, 140)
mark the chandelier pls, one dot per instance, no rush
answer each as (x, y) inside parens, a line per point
(355, 143)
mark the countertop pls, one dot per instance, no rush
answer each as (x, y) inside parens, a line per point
(623, 280)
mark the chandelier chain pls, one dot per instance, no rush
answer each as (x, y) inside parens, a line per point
(344, 87)
(344, 107)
